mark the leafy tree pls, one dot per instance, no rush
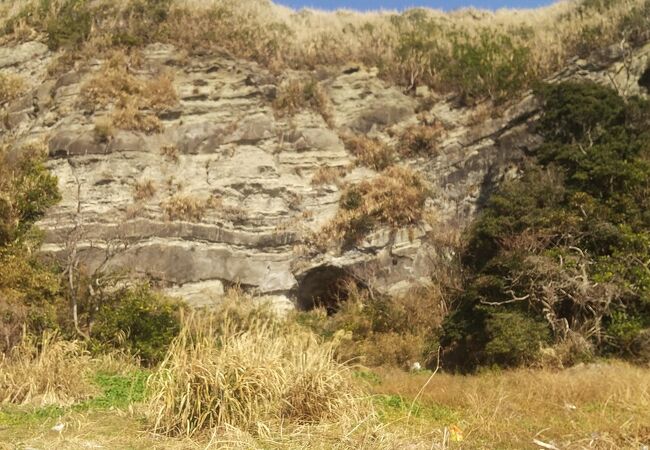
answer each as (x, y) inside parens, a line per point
(567, 246)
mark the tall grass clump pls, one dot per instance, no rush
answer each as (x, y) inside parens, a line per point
(11, 86)
(394, 199)
(296, 95)
(133, 102)
(219, 375)
(369, 152)
(46, 371)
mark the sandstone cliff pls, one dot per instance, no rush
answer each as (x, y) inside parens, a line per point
(222, 189)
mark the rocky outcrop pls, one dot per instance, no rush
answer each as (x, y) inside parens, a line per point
(224, 146)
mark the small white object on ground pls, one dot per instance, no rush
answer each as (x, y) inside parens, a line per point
(545, 445)
(58, 427)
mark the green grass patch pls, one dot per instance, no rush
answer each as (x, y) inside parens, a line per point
(367, 376)
(119, 391)
(395, 406)
(13, 416)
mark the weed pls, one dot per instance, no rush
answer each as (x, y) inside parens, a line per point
(71, 25)
(295, 95)
(327, 175)
(419, 140)
(170, 153)
(11, 87)
(395, 198)
(133, 99)
(104, 130)
(370, 152)
(382, 330)
(144, 190)
(52, 371)
(245, 379)
(118, 390)
(184, 207)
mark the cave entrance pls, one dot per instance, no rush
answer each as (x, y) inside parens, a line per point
(644, 81)
(325, 286)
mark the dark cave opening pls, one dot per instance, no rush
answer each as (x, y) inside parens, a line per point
(644, 81)
(324, 286)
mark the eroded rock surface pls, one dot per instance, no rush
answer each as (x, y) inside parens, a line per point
(229, 146)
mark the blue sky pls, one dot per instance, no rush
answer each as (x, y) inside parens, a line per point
(403, 4)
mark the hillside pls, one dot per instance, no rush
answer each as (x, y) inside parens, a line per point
(448, 191)
(200, 169)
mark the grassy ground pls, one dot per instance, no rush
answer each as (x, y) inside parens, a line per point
(599, 406)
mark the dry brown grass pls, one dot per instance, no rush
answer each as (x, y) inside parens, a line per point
(394, 199)
(295, 95)
(394, 331)
(599, 406)
(134, 101)
(420, 140)
(410, 48)
(129, 117)
(11, 86)
(170, 153)
(144, 190)
(216, 376)
(187, 207)
(369, 152)
(104, 130)
(52, 371)
(328, 175)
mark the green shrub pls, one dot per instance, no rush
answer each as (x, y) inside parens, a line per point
(71, 26)
(475, 335)
(139, 320)
(489, 65)
(381, 330)
(27, 189)
(567, 244)
(492, 66)
(30, 295)
(623, 331)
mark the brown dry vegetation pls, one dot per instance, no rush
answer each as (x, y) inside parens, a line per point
(186, 207)
(241, 378)
(51, 371)
(104, 130)
(420, 140)
(380, 330)
(295, 95)
(11, 86)
(170, 153)
(369, 152)
(599, 406)
(477, 53)
(216, 375)
(328, 175)
(395, 199)
(144, 190)
(134, 101)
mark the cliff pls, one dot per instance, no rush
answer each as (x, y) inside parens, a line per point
(210, 174)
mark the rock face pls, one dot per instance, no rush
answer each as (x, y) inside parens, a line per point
(223, 145)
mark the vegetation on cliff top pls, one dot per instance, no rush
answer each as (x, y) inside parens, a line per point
(476, 54)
